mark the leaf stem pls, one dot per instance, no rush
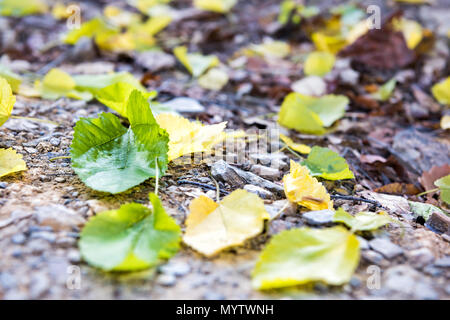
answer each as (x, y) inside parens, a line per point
(157, 176)
(429, 191)
(36, 120)
(60, 157)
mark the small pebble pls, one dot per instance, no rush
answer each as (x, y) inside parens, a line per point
(18, 238)
(167, 280)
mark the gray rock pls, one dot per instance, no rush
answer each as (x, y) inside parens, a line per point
(74, 256)
(281, 207)
(318, 218)
(373, 257)
(363, 243)
(419, 258)
(3, 185)
(266, 172)
(40, 284)
(58, 217)
(167, 280)
(224, 172)
(425, 291)
(184, 104)
(439, 222)
(154, 60)
(55, 142)
(7, 281)
(211, 295)
(274, 160)
(443, 262)
(261, 192)
(385, 247)
(177, 269)
(420, 149)
(48, 236)
(18, 238)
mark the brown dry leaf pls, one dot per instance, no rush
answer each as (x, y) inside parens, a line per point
(429, 177)
(398, 189)
(381, 48)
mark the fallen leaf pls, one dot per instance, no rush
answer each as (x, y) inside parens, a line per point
(382, 48)
(115, 96)
(298, 256)
(111, 158)
(214, 79)
(220, 6)
(7, 101)
(441, 91)
(10, 162)
(186, 137)
(444, 188)
(327, 164)
(130, 238)
(300, 187)
(95, 82)
(362, 221)
(398, 188)
(299, 147)
(310, 114)
(22, 8)
(412, 31)
(13, 78)
(58, 83)
(319, 63)
(385, 91)
(212, 227)
(195, 63)
(424, 210)
(428, 178)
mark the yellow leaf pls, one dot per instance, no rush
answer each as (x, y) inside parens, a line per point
(195, 63)
(305, 190)
(120, 17)
(302, 148)
(276, 49)
(220, 6)
(441, 91)
(186, 137)
(214, 79)
(319, 63)
(415, 1)
(10, 162)
(445, 122)
(357, 31)
(212, 227)
(412, 31)
(329, 42)
(7, 100)
(59, 11)
(58, 83)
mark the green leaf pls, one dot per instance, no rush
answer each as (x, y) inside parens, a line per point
(385, 91)
(95, 82)
(424, 210)
(130, 238)
(310, 114)
(327, 164)
(115, 96)
(299, 256)
(108, 157)
(444, 187)
(362, 221)
(88, 29)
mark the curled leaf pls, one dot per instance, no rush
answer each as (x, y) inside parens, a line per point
(305, 190)
(187, 137)
(299, 147)
(195, 63)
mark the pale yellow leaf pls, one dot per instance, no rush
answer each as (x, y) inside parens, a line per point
(220, 6)
(215, 79)
(212, 227)
(299, 147)
(319, 63)
(11, 162)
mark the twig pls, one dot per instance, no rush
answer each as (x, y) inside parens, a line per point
(351, 198)
(202, 185)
